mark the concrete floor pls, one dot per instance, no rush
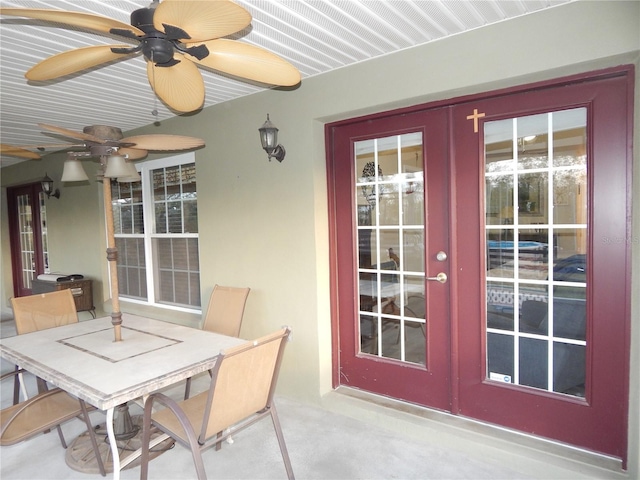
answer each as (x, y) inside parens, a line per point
(348, 436)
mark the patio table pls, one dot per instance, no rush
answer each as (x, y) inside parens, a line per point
(84, 360)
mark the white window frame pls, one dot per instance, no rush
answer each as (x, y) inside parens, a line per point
(145, 169)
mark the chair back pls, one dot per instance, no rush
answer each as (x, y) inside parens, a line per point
(243, 382)
(44, 310)
(225, 310)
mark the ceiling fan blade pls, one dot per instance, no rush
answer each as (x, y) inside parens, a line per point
(17, 152)
(85, 21)
(71, 133)
(42, 147)
(74, 61)
(248, 61)
(180, 86)
(164, 142)
(132, 153)
(202, 20)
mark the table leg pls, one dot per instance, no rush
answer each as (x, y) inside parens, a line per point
(120, 463)
(113, 444)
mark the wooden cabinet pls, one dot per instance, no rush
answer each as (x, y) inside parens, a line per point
(82, 291)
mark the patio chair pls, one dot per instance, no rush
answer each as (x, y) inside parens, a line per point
(41, 413)
(224, 314)
(44, 310)
(39, 312)
(243, 383)
(225, 310)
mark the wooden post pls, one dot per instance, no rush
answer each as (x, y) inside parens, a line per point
(112, 257)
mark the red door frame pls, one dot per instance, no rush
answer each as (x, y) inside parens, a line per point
(621, 190)
(33, 191)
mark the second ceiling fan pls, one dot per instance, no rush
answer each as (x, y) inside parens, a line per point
(175, 37)
(102, 140)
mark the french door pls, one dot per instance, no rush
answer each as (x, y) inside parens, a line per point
(28, 235)
(392, 224)
(480, 261)
(544, 263)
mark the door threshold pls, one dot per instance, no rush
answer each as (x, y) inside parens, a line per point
(488, 442)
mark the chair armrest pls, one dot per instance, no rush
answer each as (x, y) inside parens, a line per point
(12, 413)
(173, 406)
(13, 373)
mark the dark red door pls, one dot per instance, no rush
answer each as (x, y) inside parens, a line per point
(542, 267)
(28, 235)
(480, 261)
(391, 215)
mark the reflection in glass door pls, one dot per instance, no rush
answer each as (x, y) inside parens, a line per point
(536, 237)
(390, 224)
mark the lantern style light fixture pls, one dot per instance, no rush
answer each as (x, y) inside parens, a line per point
(47, 187)
(269, 140)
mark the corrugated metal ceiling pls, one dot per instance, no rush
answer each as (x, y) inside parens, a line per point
(315, 35)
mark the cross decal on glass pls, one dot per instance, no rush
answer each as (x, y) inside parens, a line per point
(475, 116)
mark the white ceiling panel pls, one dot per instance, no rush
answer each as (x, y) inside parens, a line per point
(314, 35)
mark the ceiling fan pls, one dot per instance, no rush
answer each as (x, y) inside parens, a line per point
(102, 140)
(175, 37)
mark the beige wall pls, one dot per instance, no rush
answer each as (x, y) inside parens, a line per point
(264, 224)
(75, 223)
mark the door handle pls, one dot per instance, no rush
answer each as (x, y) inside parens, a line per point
(441, 277)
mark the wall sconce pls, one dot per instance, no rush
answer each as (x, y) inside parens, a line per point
(269, 140)
(47, 187)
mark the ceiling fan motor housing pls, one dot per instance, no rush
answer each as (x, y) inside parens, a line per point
(104, 132)
(155, 45)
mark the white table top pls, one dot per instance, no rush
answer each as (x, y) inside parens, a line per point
(84, 360)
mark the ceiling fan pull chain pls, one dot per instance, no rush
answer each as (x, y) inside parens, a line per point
(154, 112)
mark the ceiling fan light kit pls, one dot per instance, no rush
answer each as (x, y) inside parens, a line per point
(130, 179)
(104, 141)
(73, 170)
(117, 166)
(175, 37)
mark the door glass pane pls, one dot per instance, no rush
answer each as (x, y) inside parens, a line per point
(44, 234)
(536, 247)
(27, 247)
(389, 192)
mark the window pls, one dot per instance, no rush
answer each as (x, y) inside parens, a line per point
(156, 232)
(390, 225)
(536, 233)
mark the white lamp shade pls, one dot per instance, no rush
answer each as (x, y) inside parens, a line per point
(73, 171)
(130, 179)
(117, 166)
